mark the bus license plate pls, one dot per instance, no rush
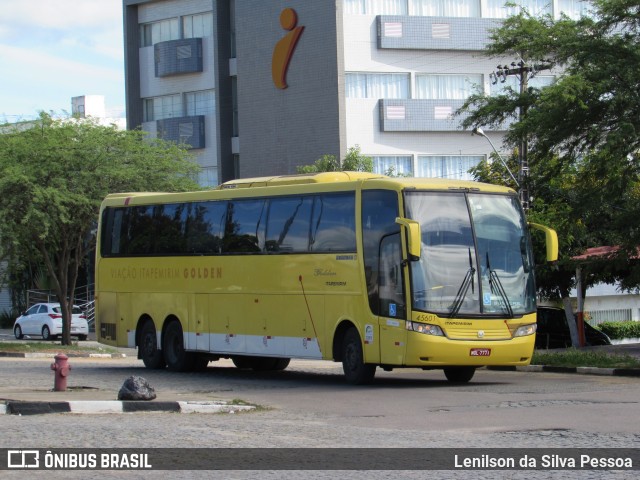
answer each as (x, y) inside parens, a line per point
(480, 352)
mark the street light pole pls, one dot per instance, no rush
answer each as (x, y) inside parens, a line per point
(480, 132)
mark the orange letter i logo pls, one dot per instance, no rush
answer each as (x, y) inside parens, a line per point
(285, 47)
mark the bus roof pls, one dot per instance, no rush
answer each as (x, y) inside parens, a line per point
(322, 177)
(331, 177)
(318, 179)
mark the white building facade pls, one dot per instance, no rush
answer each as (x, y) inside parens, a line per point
(384, 75)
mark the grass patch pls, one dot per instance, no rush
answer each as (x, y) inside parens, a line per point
(53, 347)
(577, 358)
(240, 402)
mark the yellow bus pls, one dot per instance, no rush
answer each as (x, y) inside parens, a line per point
(357, 268)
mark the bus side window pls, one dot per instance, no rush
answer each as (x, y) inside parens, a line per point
(112, 220)
(169, 229)
(140, 234)
(288, 225)
(205, 227)
(244, 230)
(333, 223)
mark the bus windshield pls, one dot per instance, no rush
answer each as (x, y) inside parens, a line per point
(476, 257)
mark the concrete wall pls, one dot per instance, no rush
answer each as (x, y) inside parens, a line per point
(281, 129)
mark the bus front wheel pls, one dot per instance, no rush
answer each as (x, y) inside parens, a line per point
(178, 359)
(459, 374)
(149, 353)
(355, 370)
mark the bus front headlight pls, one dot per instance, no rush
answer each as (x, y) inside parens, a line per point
(425, 328)
(525, 330)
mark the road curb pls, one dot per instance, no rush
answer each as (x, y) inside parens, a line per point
(112, 406)
(68, 354)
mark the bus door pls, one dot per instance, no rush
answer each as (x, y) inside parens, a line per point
(393, 305)
(382, 249)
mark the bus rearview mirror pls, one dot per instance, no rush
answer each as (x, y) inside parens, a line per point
(412, 231)
(551, 240)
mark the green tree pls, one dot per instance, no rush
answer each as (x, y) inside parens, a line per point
(354, 161)
(53, 177)
(583, 132)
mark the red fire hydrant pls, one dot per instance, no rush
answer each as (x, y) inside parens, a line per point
(61, 368)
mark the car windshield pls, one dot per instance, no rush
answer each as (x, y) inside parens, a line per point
(476, 257)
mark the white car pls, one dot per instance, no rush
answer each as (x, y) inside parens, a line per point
(45, 320)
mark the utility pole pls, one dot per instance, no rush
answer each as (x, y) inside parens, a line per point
(523, 72)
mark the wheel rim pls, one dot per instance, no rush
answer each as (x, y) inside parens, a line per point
(175, 346)
(149, 344)
(46, 333)
(17, 332)
(351, 357)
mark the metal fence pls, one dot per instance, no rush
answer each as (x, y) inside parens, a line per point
(596, 317)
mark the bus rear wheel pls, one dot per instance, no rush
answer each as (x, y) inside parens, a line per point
(200, 362)
(177, 358)
(148, 348)
(241, 362)
(355, 370)
(459, 374)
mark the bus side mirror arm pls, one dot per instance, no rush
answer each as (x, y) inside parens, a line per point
(551, 240)
(414, 241)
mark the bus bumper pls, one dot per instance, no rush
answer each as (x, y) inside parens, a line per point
(432, 351)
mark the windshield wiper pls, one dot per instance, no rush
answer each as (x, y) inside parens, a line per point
(464, 288)
(496, 286)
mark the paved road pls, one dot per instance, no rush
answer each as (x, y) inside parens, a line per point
(310, 405)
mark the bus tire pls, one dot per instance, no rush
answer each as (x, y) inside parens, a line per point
(149, 353)
(459, 374)
(242, 362)
(177, 358)
(281, 364)
(355, 370)
(200, 362)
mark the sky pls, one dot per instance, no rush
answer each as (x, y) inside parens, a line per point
(52, 50)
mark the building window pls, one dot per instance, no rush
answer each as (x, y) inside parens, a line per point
(498, 9)
(377, 85)
(200, 103)
(197, 26)
(208, 177)
(445, 8)
(452, 87)
(513, 82)
(375, 7)
(397, 165)
(159, 108)
(170, 106)
(162, 31)
(453, 167)
(575, 9)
